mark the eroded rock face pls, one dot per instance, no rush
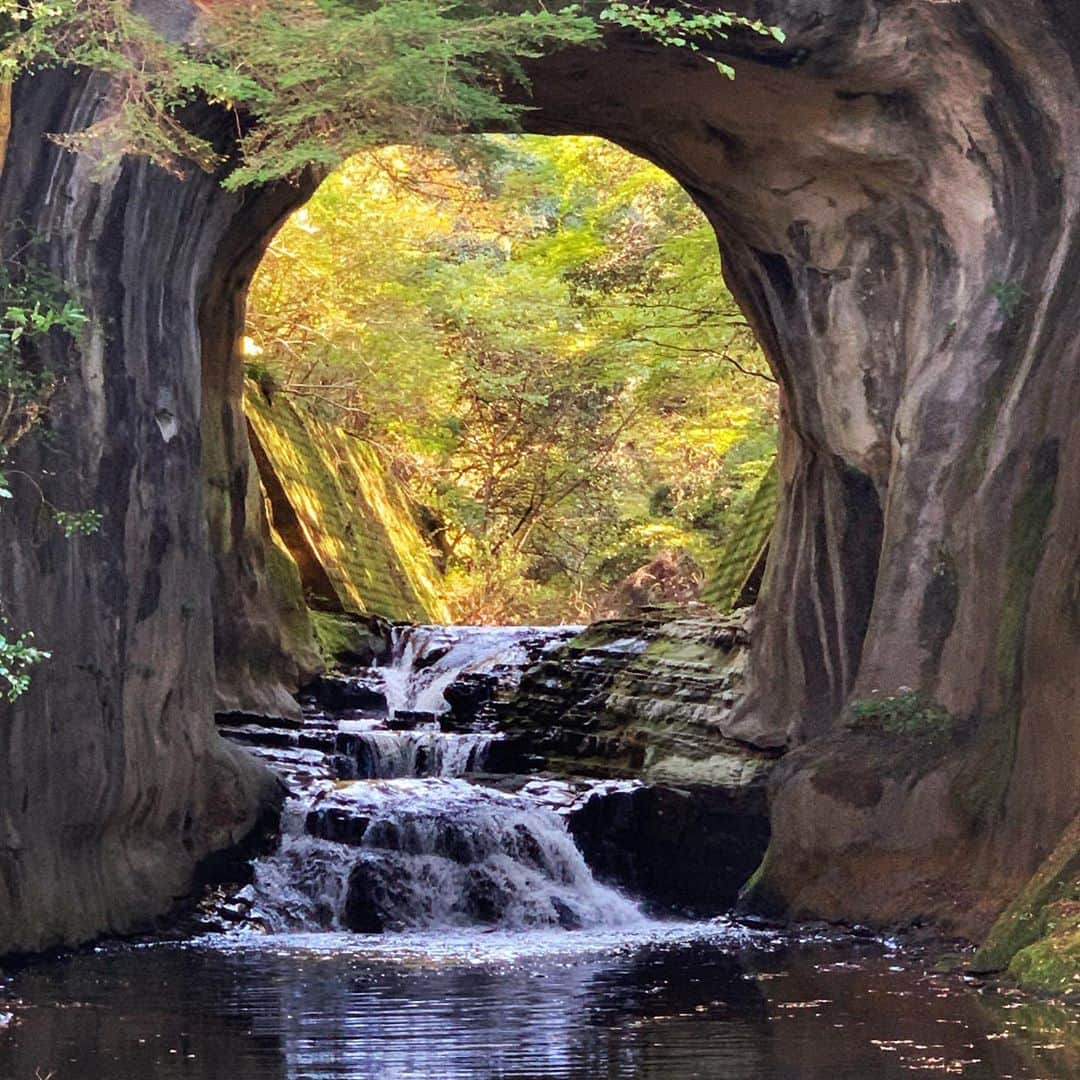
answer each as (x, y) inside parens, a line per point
(647, 699)
(894, 190)
(685, 850)
(113, 782)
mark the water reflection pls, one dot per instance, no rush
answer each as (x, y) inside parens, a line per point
(667, 1003)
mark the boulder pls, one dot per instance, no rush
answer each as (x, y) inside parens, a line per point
(339, 694)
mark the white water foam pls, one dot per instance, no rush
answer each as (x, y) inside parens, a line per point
(425, 660)
(429, 854)
(388, 755)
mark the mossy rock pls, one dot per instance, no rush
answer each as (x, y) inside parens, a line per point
(1052, 964)
(343, 515)
(297, 628)
(347, 639)
(758, 896)
(1037, 937)
(734, 564)
(687, 652)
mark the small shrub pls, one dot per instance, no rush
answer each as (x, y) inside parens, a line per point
(17, 656)
(905, 713)
(1009, 296)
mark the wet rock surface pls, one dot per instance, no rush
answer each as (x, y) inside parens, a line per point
(426, 854)
(686, 851)
(337, 693)
(404, 816)
(649, 698)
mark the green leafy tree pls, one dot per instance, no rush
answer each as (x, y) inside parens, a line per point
(314, 81)
(525, 332)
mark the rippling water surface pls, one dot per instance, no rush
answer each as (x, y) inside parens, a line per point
(661, 1001)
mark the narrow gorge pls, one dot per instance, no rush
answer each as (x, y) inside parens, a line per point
(256, 723)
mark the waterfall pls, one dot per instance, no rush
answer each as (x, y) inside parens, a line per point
(428, 854)
(426, 660)
(407, 843)
(387, 755)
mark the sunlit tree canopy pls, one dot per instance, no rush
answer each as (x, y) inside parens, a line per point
(534, 332)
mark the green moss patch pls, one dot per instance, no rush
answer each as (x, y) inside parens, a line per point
(906, 714)
(736, 562)
(352, 519)
(1038, 934)
(344, 638)
(1052, 964)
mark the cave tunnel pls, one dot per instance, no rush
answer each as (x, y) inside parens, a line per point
(830, 169)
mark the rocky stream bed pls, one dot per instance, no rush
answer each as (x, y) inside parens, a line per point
(511, 853)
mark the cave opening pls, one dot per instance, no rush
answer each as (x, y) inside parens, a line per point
(504, 382)
(891, 191)
(504, 412)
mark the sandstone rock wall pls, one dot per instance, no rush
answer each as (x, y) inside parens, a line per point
(341, 514)
(648, 699)
(895, 190)
(113, 782)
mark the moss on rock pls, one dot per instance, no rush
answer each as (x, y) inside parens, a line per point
(342, 515)
(1052, 964)
(1037, 937)
(734, 565)
(347, 638)
(982, 785)
(294, 617)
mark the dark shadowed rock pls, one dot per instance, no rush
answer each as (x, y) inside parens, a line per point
(337, 693)
(467, 696)
(410, 720)
(338, 823)
(363, 913)
(688, 851)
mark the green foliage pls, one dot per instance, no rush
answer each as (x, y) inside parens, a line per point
(17, 656)
(1009, 296)
(77, 522)
(536, 348)
(685, 26)
(314, 81)
(33, 307)
(905, 713)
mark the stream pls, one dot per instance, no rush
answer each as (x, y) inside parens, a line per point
(420, 918)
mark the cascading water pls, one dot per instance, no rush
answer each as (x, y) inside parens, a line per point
(433, 674)
(388, 755)
(409, 844)
(422, 854)
(425, 661)
(452, 872)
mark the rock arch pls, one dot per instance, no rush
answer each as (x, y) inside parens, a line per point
(894, 191)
